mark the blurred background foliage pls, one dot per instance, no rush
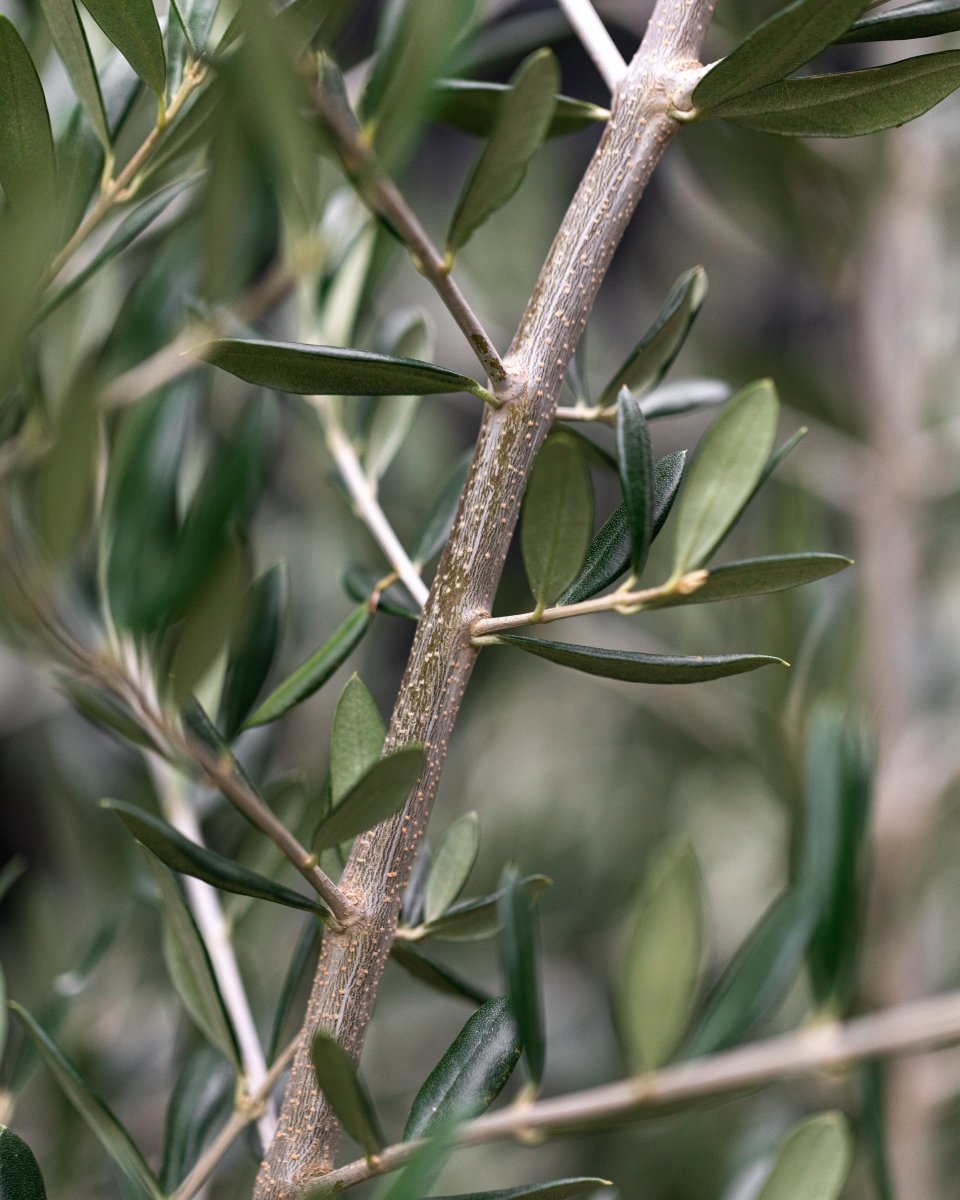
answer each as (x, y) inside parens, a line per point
(833, 269)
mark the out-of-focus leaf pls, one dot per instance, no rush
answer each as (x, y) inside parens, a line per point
(312, 22)
(757, 577)
(253, 645)
(357, 739)
(104, 711)
(848, 104)
(452, 865)
(556, 520)
(69, 37)
(635, 456)
(661, 966)
(474, 106)
(79, 171)
(131, 25)
(200, 15)
(180, 854)
(873, 1126)
(315, 671)
(435, 975)
(393, 415)
(330, 371)
(361, 584)
(813, 1162)
(924, 18)
(419, 1175)
(724, 472)
(660, 345)
(439, 521)
(472, 1072)
(13, 869)
(20, 1175)
(205, 629)
(473, 920)
(27, 166)
(520, 960)
(105, 1126)
(522, 122)
(688, 395)
(337, 1078)
(202, 1100)
(608, 555)
(776, 48)
(414, 896)
(758, 976)
(306, 949)
(633, 666)
(378, 794)
(557, 1189)
(189, 966)
(514, 36)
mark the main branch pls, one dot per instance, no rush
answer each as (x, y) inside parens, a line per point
(657, 83)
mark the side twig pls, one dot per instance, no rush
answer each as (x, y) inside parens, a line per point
(596, 40)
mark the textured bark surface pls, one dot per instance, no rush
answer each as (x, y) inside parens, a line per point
(442, 656)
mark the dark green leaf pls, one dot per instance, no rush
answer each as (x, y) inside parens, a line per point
(452, 865)
(131, 25)
(305, 952)
(315, 671)
(873, 1126)
(327, 370)
(79, 171)
(661, 966)
(27, 167)
(312, 22)
(850, 104)
(522, 122)
(758, 576)
(758, 976)
(474, 106)
(557, 1189)
(520, 960)
(729, 461)
(556, 520)
(378, 794)
(20, 1176)
(608, 555)
(472, 1072)
(473, 920)
(110, 1133)
(69, 37)
(357, 740)
(202, 1100)
(253, 645)
(435, 974)
(203, 632)
(689, 395)
(924, 18)
(633, 666)
(635, 456)
(337, 1078)
(814, 1161)
(439, 520)
(419, 1175)
(200, 16)
(361, 585)
(12, 870)
(180, 854)
(198, 725)
(660, 345)
(776, 48)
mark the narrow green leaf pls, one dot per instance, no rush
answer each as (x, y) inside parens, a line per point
(131, 25)
(180, 854)
(105, 1126)
(635, 455)
(12, 870)
(556, 520)
(79, 156)
(758, 976)
(436, 528)
(253, 646)
(307, 23)
(436, 974)
(27, 167)
(357, 739)
(660, 345)
(70, 39)
(759, 576)
(924, 18)
(474, 106)
(378, 794)
(472, 1072)
(420, 1174)
(688, 395)
(520, 961)
(20, 1175)
(608, 555)
(188, 964)
(452, 865)
(557, 1189)
(328, 370)
(303, 959)
(473, 920)
(849, 104)
(813, 1162)
(776, 48)
(414, 896)
(361, 584)
(204, 630)
(519, 130)
(873, 1126)
(202, 1100)
(339, 1081)
(661, 966)
(200, 16)
(315, 671)
(729, 461)
(633, 666)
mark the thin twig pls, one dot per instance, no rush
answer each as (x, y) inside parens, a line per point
(596, 40)
(584, 412)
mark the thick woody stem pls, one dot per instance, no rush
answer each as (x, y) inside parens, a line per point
(442, 656)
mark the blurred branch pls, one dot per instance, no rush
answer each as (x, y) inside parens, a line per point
(596, 40)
